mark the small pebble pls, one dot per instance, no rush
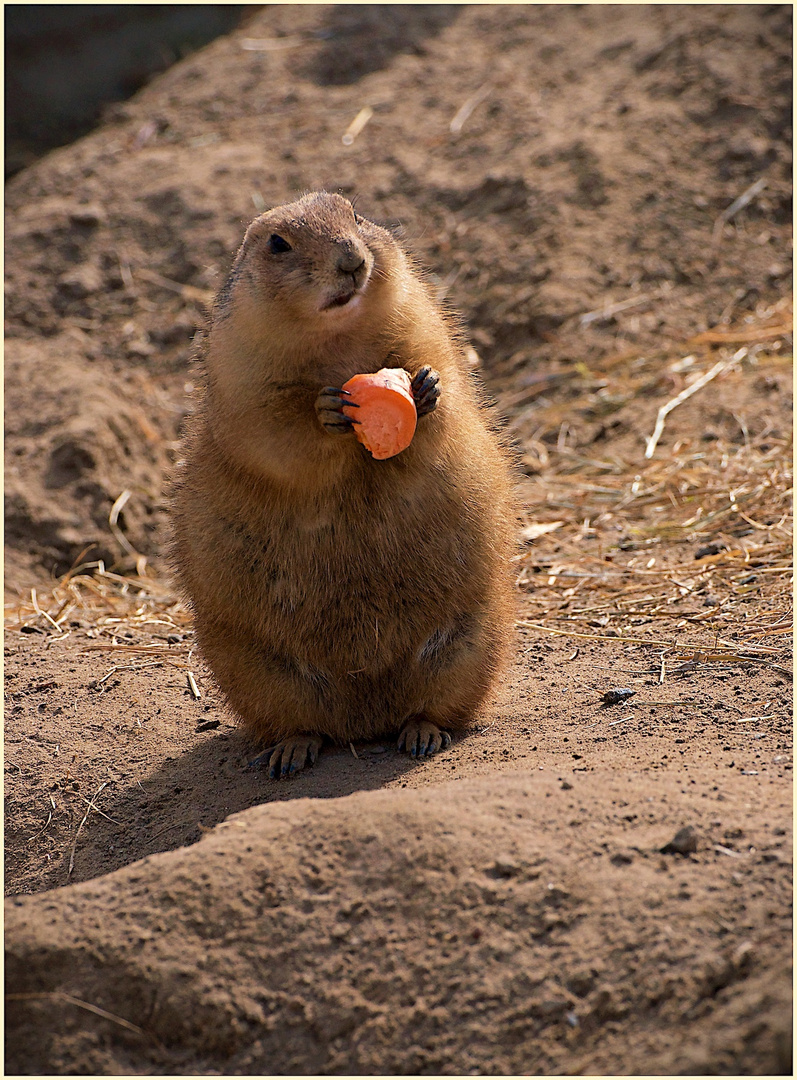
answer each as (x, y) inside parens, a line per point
(683, 843)
(208, 725)
(614, 697)
(622, 858)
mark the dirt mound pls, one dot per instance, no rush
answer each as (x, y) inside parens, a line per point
(605, 194)
(452, 931)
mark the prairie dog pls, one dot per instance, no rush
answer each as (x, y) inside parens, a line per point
(337, 596)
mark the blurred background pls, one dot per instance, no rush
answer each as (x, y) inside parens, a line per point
(65, 63)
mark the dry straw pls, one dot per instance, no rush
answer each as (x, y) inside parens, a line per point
(134, 617)
(694, 538)
(686, 551)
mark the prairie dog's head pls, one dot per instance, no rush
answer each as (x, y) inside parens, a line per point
(312, 266)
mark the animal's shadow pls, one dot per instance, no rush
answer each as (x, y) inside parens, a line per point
(189, 794)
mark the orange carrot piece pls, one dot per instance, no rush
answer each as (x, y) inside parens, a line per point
(386, 413)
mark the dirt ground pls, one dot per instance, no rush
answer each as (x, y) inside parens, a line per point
(605, 194)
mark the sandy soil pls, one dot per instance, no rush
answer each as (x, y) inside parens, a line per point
(513, 906)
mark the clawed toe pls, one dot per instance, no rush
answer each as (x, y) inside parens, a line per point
(422, 738)
(329, 410)
(289, 757)
(426, 390)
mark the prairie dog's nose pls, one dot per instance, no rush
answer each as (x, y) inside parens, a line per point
(350, 257)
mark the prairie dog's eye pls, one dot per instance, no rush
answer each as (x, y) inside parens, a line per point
(358, 220)
(278, 246)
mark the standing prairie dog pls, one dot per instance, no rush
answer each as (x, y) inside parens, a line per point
(337, 596)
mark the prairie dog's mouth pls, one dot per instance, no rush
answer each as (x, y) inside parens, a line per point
(340, 300)
(345, 300)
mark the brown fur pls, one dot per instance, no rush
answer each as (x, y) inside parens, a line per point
(333, 594)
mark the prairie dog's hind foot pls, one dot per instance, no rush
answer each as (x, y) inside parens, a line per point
(426, 390)
(421, 738)
(289, 756)
(329, 410)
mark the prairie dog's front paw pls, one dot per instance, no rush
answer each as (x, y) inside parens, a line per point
(329, 410)
(426, 390)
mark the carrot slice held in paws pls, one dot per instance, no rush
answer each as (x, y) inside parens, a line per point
(386, 416)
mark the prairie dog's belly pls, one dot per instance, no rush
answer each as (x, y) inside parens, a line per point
(346, 586)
